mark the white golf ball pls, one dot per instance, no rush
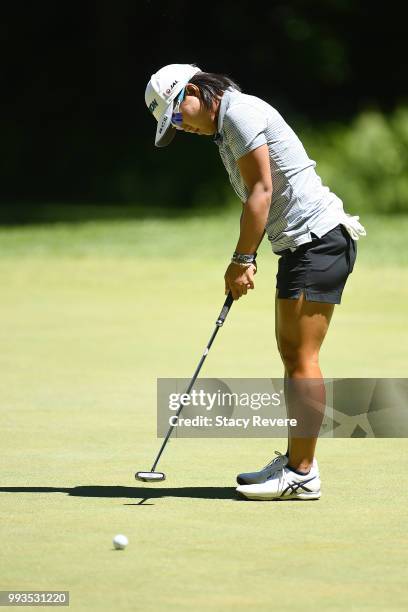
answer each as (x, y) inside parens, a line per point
(120, 541)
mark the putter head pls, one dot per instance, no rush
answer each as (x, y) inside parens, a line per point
(150, 476)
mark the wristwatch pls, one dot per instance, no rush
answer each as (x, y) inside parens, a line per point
(241, 258)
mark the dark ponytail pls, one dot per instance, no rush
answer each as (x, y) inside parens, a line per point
(212, 86)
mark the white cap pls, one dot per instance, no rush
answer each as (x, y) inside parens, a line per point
(161, 90)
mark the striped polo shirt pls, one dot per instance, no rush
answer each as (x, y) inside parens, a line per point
(301, 204)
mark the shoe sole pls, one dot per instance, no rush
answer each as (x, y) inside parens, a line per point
(242, 481)
(301, 497)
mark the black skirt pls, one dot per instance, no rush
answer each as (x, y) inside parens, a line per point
(319, 268)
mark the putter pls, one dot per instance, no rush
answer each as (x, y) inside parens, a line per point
(154, 476)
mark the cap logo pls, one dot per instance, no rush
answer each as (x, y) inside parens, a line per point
(170, 89)
(163, 124)
(153, 105)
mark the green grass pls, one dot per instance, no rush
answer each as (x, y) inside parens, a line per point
(193, 237)
(91, 315)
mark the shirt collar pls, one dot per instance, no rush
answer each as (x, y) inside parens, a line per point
(224, 104)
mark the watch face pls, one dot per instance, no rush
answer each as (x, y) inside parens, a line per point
(239, 257)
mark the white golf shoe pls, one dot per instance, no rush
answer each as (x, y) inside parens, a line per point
(266, 472)
(285, 484)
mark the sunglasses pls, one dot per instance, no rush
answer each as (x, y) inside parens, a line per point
(177, 117)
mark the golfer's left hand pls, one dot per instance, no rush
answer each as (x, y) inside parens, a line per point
(238, 280)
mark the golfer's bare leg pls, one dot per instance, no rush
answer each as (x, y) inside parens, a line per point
(300, 330)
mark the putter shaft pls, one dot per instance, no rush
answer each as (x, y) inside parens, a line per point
(219, 323)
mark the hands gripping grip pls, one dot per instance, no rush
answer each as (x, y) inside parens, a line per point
(225, 310)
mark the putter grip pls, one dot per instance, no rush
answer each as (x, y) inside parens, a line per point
(225, 310)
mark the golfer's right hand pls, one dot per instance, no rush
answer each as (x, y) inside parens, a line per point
(238, 280)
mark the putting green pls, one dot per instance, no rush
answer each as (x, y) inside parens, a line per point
(88, 326)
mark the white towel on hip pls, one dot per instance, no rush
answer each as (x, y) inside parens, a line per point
(350, 222)
(353, 226)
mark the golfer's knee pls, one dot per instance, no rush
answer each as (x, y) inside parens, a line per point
(297, 361)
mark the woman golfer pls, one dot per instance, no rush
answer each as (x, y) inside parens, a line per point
(307, 226)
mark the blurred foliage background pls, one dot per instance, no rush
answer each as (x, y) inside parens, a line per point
(112, 261)
(76, 131)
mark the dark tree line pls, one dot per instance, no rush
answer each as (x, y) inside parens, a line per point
(74, 126)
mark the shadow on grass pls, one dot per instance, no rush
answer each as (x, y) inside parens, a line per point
(142, 493)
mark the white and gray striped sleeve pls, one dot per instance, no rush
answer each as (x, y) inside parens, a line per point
(244, 128)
